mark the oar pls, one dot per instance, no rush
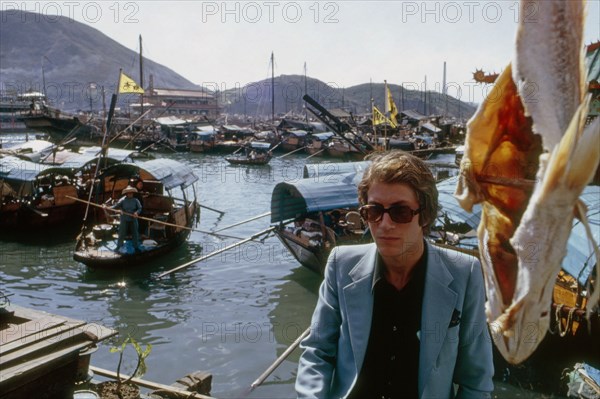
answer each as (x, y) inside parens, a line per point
(212, 209)
(291, 152)
(237, 244)
(151, 220)
(279, 360)
(316, 153)
(245, 221)
(202, 206)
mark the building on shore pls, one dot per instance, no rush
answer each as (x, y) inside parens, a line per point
(183, 103)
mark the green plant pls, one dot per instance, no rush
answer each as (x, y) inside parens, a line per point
(140, 367)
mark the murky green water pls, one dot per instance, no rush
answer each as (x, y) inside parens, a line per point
(231, 315)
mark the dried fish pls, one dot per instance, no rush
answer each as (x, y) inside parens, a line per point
(528, 156)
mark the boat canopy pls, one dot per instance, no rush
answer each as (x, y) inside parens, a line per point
(260, 145)
(449, 206)
(292, 200)
(20, 171)
(316, 170)
(169, 172)
(115, 155)
(323, 136)
(580, 259)
(298, 133)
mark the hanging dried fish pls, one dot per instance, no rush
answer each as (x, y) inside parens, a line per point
(528, 156)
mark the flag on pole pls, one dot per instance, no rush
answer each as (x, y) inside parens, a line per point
(128, 85)
(392, 106)
(379, 118)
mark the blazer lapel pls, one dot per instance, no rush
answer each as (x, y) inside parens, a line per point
(359, 305)
(439, 302)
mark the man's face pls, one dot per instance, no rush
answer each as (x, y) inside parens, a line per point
(395, 239)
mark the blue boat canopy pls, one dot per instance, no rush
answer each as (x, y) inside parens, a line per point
(323, 136)
(298, 133)
(115, 155)
(18, 170)
(292, 200)
(170, 173)
(260, 145)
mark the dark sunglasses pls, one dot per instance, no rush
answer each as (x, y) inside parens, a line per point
(398, 213)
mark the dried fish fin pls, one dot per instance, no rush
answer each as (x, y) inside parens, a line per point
(540, 240)
(549, 43)
(500, 146)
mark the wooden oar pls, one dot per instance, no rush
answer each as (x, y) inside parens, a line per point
(291, 152)
(242, 222)
(316, 153)
(150, 219)
(202, 206)
(279, 360)
(237, 244)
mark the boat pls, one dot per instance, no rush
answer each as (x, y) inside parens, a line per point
(313, 215)
(41, 197)
(203, 139)
(318, 143)
(55, 122)
(255, 153)
(35, 197)
(169, 209)
(293, 139)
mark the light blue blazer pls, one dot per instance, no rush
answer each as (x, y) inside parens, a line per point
(452, 350)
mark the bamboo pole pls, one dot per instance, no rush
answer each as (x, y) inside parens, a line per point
(316, 153)
(149, 384)
(237, 244)
(150, 219)
(279, 360)
(244, 221)
(291, 152)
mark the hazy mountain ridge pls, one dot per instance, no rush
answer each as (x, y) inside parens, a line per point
(289, 90)
(74, 55)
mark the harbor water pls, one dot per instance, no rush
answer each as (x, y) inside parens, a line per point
(231, 315)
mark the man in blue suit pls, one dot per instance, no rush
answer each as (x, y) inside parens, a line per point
(398, 318)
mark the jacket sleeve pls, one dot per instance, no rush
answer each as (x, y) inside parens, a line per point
(474, 365)
(317, 363)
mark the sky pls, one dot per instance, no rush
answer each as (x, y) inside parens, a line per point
(228, 44)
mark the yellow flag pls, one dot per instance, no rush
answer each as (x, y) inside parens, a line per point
(379, 118)
(128, 85)
(392, 107)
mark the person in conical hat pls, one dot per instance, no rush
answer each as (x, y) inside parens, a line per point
(130, 208)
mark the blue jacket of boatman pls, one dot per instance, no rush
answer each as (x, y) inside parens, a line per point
(131, 208)
(438, 344)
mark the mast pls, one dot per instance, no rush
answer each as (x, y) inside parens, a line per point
(444, 92)
(305, 93)
(43, 79)
(141, 81)
(272, 87)
(425, 98)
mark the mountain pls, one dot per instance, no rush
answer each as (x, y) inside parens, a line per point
(254, 99)
(73, 55)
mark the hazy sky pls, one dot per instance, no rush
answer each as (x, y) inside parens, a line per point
(342, 42)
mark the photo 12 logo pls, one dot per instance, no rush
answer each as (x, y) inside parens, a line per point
(88, 11)
(270, 11)
(468, 11)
